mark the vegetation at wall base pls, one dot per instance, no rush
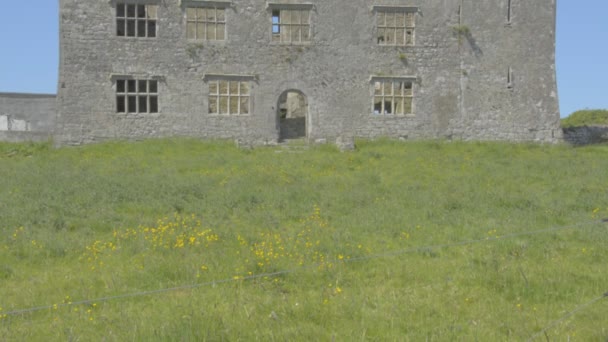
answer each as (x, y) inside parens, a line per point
(394, 241)
(586, 117)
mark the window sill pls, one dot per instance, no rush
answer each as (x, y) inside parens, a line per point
(137, 115)
(291, 44)
(205, 3)
(284, 6)
(394, 116)
(202, 42)
(396, 46)
(132, 38)
(229, 115)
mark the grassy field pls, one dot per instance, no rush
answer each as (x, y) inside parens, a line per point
(416, 241)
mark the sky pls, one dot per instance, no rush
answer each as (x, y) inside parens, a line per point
(29, 55)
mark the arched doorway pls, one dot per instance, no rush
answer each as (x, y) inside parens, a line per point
(292, 114)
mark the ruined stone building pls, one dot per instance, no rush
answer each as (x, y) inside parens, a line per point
(263, 71)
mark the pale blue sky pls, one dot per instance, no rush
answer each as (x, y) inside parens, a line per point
(29, 51)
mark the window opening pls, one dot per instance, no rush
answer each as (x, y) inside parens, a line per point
(229, 97)
(136, 96)
(395, 28)
(276, 27)
(393, 97)
(290, 26)
(136, 20)
(206, 23)
(509, 13)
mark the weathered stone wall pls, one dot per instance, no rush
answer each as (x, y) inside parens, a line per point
(586, 135)
(17, 137)
(496, 105)
(462, 88)
(26, 117)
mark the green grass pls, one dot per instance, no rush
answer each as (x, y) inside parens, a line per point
(587, 117)
(119, 218)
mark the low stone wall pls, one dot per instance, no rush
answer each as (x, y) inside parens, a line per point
(15, 136)
(586, 135)
(27, 117)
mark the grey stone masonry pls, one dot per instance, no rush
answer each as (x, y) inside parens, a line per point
(586, 135)
(456, 69)
(26, 117)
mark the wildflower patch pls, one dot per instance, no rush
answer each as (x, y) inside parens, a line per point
(175, 233)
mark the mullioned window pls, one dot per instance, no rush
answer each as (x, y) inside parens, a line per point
(395, 26)
(393, 96)
(229, 97)
(136, 96)
(136, 20)
(290, 26)
(206, 23)
(291, 23)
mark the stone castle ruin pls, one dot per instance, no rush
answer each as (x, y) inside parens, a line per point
(266, 71)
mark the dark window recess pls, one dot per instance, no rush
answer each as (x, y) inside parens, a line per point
(132, 104)
(120, 27)
(141, 11)
(120, 10)
(131, 86)
(143, 104)
(153, 104)
(153, 86)
(136, 96)
(388, 107)
(152, 29)
(130, 28)
(120, 104)
(136, 20)
(120, 86)
(378, 107)
(131, 11)
(141, 28)
(143, 86)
